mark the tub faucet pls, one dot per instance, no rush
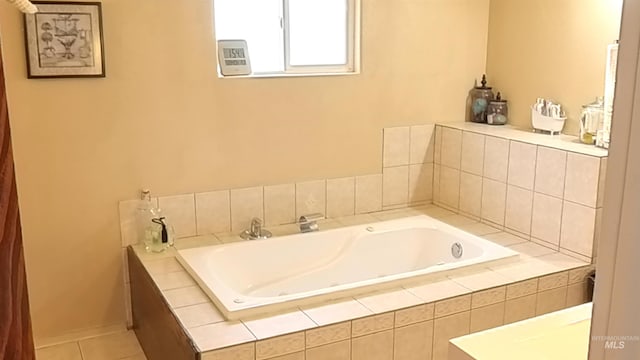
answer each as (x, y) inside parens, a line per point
(308, 223)
(256, 227)
(255, 231)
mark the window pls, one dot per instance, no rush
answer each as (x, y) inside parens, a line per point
(292, 36)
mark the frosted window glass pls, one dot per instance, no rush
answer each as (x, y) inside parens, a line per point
(257, 22)
(318, 32)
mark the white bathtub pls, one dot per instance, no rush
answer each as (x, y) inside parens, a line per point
(261, 276)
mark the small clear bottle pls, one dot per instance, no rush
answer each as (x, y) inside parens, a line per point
(153, 230)
(591, 119)
(144, 215)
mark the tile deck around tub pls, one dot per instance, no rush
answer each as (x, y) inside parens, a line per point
(460, 292)
(561, 142)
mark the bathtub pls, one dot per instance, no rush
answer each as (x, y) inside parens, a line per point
(253, 277)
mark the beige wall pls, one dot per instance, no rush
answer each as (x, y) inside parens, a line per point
(163, 119)
(553, 49)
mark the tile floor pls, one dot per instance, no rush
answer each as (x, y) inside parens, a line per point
(117, 346)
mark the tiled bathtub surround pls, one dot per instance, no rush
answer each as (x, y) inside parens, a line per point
(515, 185)
(545, 189)
(406, 178)
(407, 163)
(415, 321)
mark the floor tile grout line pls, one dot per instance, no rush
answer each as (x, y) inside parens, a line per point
(80, 350)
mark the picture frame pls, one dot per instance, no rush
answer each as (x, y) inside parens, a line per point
(65, 40)
(233, 57)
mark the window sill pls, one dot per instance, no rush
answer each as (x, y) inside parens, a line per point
(287, 75)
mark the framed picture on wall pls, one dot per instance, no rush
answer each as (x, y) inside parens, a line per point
(64, 39)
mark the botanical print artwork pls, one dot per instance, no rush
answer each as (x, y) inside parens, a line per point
(64, 40)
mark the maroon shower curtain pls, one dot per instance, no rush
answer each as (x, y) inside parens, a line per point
(16, 340)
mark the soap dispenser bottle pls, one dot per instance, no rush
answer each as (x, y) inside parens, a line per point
(153, 230)
(159, 235)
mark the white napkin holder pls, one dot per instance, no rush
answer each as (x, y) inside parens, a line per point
(547, 123)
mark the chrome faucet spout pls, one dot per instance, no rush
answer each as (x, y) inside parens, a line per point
(255, 231)
(308, 223)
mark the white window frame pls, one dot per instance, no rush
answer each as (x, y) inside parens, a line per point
(353, 17)
(353, 49)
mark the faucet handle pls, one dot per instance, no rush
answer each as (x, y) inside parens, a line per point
(256, 221)
(256, 226)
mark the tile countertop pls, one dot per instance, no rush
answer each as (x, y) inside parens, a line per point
(559, 335)
(210, 331)
(562, 142)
